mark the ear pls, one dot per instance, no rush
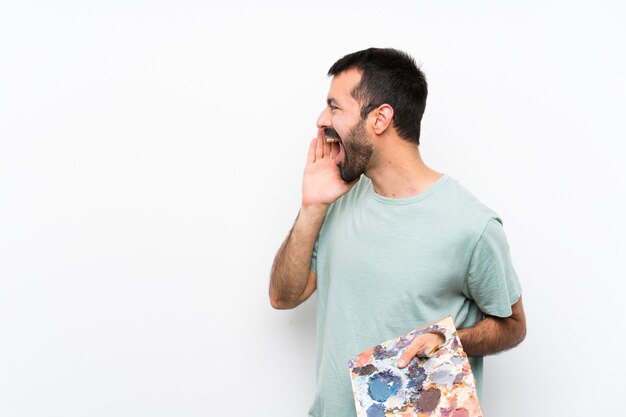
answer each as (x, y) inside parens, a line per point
(383, 117)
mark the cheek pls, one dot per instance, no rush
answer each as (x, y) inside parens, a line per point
(337, 123)
(342, 126)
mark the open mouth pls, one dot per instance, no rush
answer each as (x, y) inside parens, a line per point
(331, 135)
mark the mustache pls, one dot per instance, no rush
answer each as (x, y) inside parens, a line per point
(331, 133)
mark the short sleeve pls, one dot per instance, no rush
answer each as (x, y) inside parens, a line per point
(491, 280)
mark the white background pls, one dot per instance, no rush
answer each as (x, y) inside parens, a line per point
(150, 165)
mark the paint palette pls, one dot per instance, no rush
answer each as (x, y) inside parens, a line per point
(441, 385)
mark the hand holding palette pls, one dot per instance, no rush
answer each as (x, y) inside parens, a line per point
(441, 385)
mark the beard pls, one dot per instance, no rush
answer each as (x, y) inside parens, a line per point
(357, 151)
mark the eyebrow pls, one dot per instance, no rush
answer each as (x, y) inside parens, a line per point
(331, 101)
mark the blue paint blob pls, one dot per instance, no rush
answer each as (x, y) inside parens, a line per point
(383, 385)
(416, 376)
(376, 410)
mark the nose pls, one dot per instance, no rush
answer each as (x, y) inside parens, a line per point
(323, 121)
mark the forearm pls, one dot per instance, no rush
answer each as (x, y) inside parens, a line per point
(493, 334)
(290, 270)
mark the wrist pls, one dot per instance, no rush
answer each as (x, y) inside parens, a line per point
(314, 210)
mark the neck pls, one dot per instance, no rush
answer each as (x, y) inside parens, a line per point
(399, 172)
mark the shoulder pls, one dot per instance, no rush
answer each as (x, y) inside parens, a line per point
(460, 198)
(464, 211)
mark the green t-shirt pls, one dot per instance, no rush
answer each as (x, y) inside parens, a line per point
(387, 266)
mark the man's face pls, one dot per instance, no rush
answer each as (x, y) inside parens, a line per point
(341, 121)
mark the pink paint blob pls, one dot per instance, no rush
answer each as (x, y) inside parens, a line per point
(460, 412)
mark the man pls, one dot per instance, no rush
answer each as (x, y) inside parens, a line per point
(389, 243)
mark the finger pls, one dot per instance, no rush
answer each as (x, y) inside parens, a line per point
(410, 352)
(441, 338)
(429, 350)
(319, 147)
(311, 154)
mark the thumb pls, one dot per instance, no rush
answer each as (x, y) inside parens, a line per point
(409, 353)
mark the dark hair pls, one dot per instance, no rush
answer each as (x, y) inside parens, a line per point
(388, 76)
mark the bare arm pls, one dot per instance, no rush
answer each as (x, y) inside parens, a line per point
(488, 336)
(291, 280)
(495, 334)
